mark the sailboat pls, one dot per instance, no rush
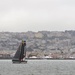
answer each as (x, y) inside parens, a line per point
(20, 53)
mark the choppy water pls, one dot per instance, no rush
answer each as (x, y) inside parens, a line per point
(38, 67)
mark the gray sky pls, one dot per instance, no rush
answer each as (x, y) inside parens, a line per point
(37, 15)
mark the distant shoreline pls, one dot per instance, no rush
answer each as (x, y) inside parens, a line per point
(44, 58)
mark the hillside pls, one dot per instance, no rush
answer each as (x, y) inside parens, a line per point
(45, 41)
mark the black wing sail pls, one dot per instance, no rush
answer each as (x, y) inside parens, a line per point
(20, 53)
(17, 54)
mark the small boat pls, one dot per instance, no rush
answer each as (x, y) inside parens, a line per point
(20, 54)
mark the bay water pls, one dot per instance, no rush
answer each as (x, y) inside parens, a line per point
(38, 67)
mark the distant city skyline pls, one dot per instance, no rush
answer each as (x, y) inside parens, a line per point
(37, 15)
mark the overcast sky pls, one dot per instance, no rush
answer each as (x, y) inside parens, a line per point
(37, 15)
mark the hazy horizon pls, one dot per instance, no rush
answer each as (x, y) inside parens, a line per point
(37, 15)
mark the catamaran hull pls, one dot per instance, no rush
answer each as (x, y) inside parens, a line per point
(17, 61)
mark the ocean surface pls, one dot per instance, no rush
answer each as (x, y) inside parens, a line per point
(38, 67)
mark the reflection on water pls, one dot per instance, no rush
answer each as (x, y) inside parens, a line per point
(38, 67)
